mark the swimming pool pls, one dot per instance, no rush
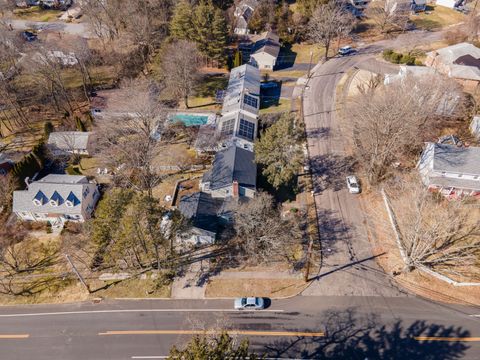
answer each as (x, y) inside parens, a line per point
(191, 119)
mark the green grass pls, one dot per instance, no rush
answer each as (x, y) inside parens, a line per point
(283, 106)
(303, 53)
(438, 17)
(35, 13)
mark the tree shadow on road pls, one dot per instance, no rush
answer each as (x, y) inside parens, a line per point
(330, 171)
(333, 230)
(349, 335)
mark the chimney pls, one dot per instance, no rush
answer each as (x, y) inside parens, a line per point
(235, 189)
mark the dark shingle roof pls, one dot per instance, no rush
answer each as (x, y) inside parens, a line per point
(233, 163)
(462, 160)
(269, 43)
(202, 209)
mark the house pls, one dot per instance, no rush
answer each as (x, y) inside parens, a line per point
(452, 170)
(265, 51)
(241, 104)
(203, 211)
(406, 71)
(475, 126)
(73, 142)
(233, 174)
(460, 61)
(452, 4)
(56, 199)
(243, 13)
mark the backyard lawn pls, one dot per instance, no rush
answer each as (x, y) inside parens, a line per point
(437, 17)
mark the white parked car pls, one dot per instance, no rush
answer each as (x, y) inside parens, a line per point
(353, 185)
(249, 303)
(346, 50)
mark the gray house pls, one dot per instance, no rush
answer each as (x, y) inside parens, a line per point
(203, 211)
(452, 170)
(233, 174)
(73, 142)
(56, 199)
(243, 13)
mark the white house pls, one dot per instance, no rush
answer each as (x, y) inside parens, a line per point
(475, 126)
(450, 3)
(265, 51)
(56, 199)
(450, 169)
(73, 142)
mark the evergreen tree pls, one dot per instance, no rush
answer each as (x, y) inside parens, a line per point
(80, 125)
(202, 21)
(237, 60)
(181, 25)
(279, 151)
(219, 37)
(48, 129)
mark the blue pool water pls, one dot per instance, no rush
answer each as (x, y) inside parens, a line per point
(190, 119)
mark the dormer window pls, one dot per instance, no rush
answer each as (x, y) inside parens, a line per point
(40, 199)
(72, 200)
(56, 199)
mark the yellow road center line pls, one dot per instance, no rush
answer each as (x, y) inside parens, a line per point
(201, 332)
(14, 336)
(439, 338)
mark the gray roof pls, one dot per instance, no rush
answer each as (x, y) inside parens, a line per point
(69, 140)
(233, 163)
(244, 79)
(202, 209)
(268, 43)
(450, 54)
(458, 183)
(462, 160)
(61, 187)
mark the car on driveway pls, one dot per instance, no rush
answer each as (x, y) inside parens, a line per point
(353, 185)
(346, 50)
(249, 303)
(29, 35)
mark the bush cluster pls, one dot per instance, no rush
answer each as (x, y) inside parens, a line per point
(399, 58)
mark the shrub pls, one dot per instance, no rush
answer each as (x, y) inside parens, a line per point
(407, 59)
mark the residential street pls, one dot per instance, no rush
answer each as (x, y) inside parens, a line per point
(305, 327)
(348, 268)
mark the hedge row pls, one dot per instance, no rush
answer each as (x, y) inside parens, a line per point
(30, 164)
(398, 58)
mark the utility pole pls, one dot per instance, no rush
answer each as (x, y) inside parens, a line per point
(309, 259)
(80, 278)
(310, 64)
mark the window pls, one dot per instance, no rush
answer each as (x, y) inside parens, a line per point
(227, 127)
(86, 192)
(247, 129)
(250, 100)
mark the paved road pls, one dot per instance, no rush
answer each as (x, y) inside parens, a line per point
(348, 267)
(352, 328)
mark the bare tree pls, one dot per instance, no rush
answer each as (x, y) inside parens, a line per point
(261, 232)
(329, 22)
(386, 121)
(129, 142)
(181, 68)
(438, 234)
(389, 15)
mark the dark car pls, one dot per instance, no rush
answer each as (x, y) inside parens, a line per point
(29, 36)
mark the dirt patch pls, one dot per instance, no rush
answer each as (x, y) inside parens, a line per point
(272, 288)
